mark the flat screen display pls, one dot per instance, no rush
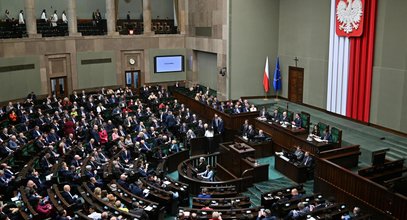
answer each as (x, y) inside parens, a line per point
(168, 64)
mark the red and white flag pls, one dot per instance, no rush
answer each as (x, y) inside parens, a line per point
(266, 76)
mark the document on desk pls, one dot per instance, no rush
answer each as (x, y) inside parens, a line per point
(284, 158)
(318, 139)
(148, 208)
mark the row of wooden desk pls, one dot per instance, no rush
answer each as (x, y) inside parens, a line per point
(288, 138)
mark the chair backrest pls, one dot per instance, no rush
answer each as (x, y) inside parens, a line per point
(306, 118)
(336, 135)
(322, 127)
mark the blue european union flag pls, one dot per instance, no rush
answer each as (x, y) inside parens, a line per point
(277, 77)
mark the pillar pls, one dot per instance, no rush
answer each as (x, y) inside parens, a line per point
(111, 17)
(30, 19)
(72, 19)
(147, 17)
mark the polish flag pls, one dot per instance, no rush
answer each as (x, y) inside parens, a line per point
(266, 77)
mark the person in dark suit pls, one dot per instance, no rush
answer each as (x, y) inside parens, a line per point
(275, 116)
(204, 194)
(263, 113)
(174, 147)
(297, 121)
(69, 198)
(217, 124)
(299, 154)
(284, 118)
(170, 120)
(244, 127)
(307, 160)
(94, 133)
(125, 155)
(250, 133)
(36, 132)
(202, 165)
(46, 163)
(326, 136)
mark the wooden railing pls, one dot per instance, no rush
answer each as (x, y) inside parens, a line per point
(195, 184)
(231, 121)
(348, 187)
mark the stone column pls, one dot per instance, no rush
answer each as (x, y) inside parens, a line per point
(147, 17)
(182, 14)
(111, 17)
(30, 19)
(72, 19)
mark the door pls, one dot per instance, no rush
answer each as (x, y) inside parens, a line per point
(295, 84)
(132, 79)
(58, 87)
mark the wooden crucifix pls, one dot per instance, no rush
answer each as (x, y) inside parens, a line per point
(296, 61)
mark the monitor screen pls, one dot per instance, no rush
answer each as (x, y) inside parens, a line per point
(168, 64)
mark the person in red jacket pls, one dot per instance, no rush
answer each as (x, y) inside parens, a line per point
(69, 127)
(103, 136)
(12, 117)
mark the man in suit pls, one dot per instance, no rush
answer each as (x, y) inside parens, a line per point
(275, 116)
(217, 124)
(170, 120)
(250, 133)
(244, 127)
(263, 113)
(299, 154)
(125, 155)
(46, 163)
(284, 117)
(174, 147)
(202, 165)
(76, 162)
(69, 198)
(144, 147)
(297, 121)
(307, 160)
(13, 143)
(36, 132)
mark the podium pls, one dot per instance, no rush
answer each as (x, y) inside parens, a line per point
(238, 160)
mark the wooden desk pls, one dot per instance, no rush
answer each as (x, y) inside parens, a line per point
(263, 148)
(231, 121)
(231, 155)
(296, 173)
(288, 138)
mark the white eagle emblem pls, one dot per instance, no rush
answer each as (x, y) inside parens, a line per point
(349, 15)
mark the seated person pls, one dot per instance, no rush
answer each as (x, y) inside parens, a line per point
(202, 165)
(353, 215)
(208, 175)
(69, 198)
(265, 215)
(299, 154)
(315, 130)
(284, 118)
(297, 121)
(298, 213)
(260, 136)
(295, 194)
(264, 113)
(326, 136)
(307, 160)
(174, 147)
(204, 194)
(275, 116)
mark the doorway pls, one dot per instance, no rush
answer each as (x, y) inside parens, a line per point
(59, 87)
(132, 79)
(295, 84)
